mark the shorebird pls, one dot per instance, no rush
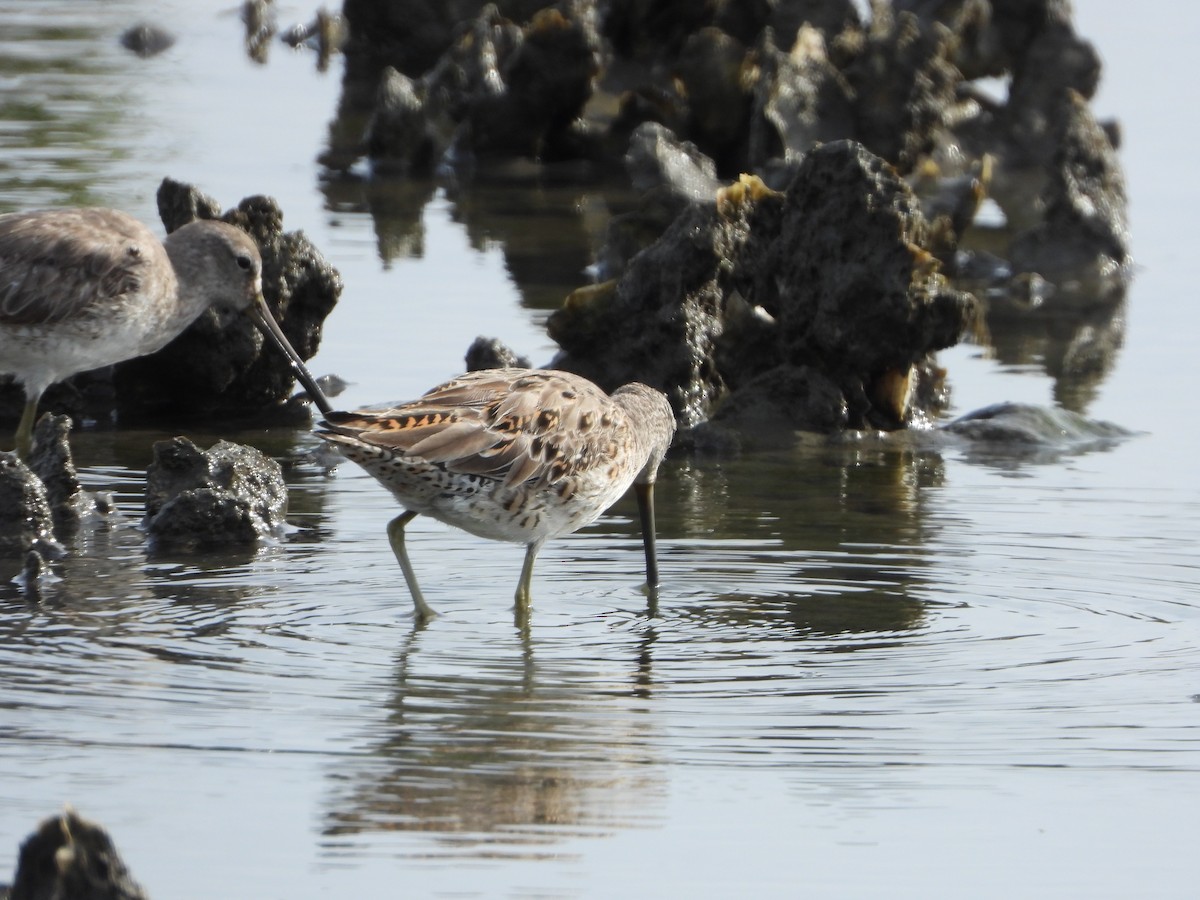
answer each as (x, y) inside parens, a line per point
(520, 455)
(85, 288)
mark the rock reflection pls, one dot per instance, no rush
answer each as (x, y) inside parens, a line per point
(396, 207)
(516, 755)
(810, 498)
(1075, 343)
(844, 525)
(549, 233)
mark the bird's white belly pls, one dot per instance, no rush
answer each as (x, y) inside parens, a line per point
(521, 517)
(46, 354)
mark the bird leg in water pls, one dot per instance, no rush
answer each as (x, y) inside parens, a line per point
(524, 586)
(645, 498)
(395, 532)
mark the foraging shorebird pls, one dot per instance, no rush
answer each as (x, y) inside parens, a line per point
(85, 288)
(520, 455)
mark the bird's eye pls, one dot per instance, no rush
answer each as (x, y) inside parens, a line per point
(245, 263)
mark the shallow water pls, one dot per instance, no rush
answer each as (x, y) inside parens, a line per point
(870, 671)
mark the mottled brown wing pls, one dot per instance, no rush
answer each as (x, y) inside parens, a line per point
(62, 264)
(511, 424)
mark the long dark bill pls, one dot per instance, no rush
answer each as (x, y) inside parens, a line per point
(261, 316)
(645, 499)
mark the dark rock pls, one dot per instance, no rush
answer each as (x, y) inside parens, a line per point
(227, 495)
(773, 406)
(856, 288)
(70, 858)
(506, 91)
(326, 34)
(465, 83)
(659, 322)
(51, 461)
(26, 519)
(655, 30)
(228, 370)
(1084, 231)
(397, 137)
(1035, 44)
(800, 99)
(950, 204)
(658, 160)
(980, 30)
(757, 97)
(718, 102)
(820, 302)
(147, 40)
(903, 83)
(411, 35)
(668, 175)
(179, 204)
(1048, 57)
(259, 18)
(790, 282)
(490, 353)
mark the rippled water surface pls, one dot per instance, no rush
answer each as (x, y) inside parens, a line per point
(915, 671)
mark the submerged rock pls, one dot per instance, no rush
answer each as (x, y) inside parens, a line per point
(1008, 435)
(70, 858)
(1018, 425)
(229, 494)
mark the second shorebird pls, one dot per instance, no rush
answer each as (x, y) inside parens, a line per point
(520, 455)
(86, 288)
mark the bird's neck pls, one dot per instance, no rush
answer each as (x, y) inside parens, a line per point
(190, 298)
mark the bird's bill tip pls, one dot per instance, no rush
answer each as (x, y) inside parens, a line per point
(261, 316)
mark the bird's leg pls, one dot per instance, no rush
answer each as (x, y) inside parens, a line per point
(395, 532)
(645, 498)
(523, 589)
(25, 428)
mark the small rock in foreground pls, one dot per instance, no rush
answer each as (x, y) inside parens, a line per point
(70, 858)
(228, 495)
